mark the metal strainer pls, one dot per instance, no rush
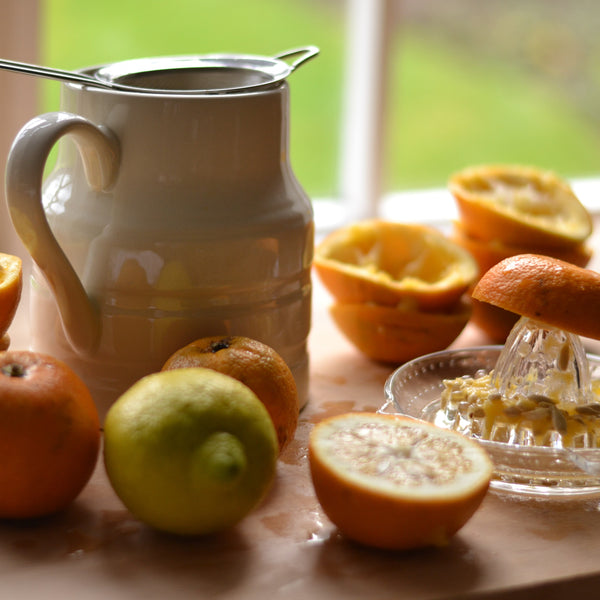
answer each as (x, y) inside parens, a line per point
(199, 74)
(204, 74)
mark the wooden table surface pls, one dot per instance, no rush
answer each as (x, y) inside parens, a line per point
(287, 548)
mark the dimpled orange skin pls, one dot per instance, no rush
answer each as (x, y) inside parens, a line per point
(49, 435)
(256, 365)
(545, 289)
(389, 522)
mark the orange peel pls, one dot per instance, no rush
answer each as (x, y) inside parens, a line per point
(545, 289)
(517, 204)
(487, 254)
(392, 335)
(393, 264)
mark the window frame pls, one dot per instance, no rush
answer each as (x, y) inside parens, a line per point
(19, 40)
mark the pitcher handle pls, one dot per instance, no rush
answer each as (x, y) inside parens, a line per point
(100, 153)
(306, 53)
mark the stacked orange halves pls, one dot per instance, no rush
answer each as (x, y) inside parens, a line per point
(400, 289)
(509, 210)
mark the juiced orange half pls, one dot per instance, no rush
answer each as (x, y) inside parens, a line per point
(545, 289)
(519, 206)
(393, 264)
(487, 254)
(394, 335)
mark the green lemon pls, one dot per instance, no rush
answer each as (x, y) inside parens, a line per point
(190, 451)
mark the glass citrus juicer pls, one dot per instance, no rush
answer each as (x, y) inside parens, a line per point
(534, 404)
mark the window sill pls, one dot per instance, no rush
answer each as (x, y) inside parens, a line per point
(431, 206)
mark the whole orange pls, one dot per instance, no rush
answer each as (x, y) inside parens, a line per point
(49, 435)
(256, 365)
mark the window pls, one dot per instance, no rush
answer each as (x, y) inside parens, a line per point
(78, 34)
(402, 94)
(478, 82)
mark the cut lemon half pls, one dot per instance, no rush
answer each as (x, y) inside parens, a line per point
(395, 482)
(394, 335)
(394, 263)
(519, 205)
(545, 289)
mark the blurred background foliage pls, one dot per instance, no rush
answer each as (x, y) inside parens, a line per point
(470, 82)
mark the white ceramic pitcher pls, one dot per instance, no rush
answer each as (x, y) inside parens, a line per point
(172, 213)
